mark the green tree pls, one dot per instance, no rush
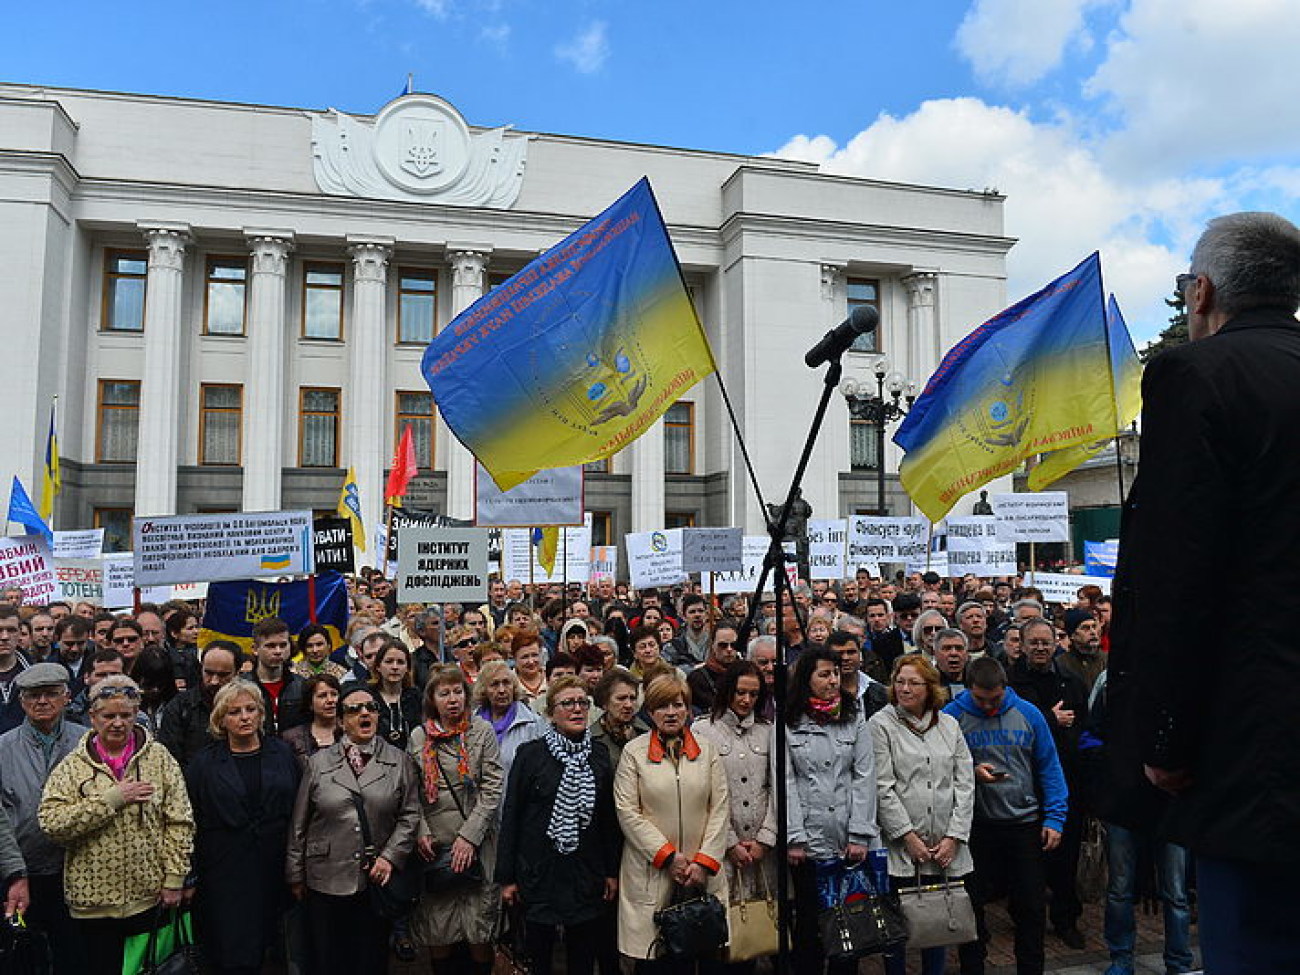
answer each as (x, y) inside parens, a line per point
(1175, 333)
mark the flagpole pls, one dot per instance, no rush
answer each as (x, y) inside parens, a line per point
(51, 462)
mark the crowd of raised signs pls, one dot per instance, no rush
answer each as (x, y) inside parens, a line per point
(552, 767)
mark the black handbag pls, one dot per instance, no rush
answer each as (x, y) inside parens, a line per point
(868, 925)
(439, 878)
(398, 897)
(693, 926)
(183, 959)
(20, 951)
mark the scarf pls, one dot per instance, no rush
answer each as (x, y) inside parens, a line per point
(356, 758)
(116, 765)
(575, 799)
(824, 712)
(502, 726)
(915, 726)
(434, 733)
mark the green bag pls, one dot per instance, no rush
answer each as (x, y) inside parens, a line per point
(172, 930)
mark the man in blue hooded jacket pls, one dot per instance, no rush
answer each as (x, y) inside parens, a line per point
(1020, 807)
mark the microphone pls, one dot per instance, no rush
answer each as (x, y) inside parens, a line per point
(861, 321)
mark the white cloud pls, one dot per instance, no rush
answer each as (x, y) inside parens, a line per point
(437, 8)
(1019, 41)
(1201, 81)
(497, 36)
(588, 50)
(1062, 201)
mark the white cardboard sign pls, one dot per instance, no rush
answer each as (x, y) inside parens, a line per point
(655, 558)
(208, 548)
(827, 545)
(1061, 587)
(26, 562)
(551, 497)
(1043, 516)
(84, 543)
(711, 549)
(442, 565)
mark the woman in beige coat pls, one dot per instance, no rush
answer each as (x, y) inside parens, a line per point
(461, 787)
(925, 782)
(671, 795)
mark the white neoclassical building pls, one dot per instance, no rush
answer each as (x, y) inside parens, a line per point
(230, 301)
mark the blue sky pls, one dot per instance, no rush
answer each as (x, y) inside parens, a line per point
(1118, 125)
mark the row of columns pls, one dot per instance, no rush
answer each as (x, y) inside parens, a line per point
(366, 414)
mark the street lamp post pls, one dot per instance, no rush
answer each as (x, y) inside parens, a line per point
(877, 410)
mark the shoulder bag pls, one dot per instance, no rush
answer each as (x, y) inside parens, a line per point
(398, 897)
(694, 925)
(937, 915)
(439, 877)
(867, 922)
(751, 922)
(167, 948)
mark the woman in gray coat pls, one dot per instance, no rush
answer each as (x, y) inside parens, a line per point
(461, 783)
(329, 867)
(926, 785)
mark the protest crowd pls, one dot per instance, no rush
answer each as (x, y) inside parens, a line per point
(554, 767)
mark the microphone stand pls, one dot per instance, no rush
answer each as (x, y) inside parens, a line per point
(774, 562)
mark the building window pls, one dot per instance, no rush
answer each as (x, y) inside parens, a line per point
(417, 306)
(678, 519)
(124, 287)
(116, 523)
(322, 301)
(221, 416)
(597, 466)
(862, 291)
(119, 421)
(318, 428)
(227, 292)
(679, 439)
(602, 527)
(498, 279)
(415, 410)
(864, 446)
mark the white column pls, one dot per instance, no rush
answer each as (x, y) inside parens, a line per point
(468, 282)
(264, 390)
(922, 328)
(158, 450)
(648, 479)
(367, 400)
(821, 484)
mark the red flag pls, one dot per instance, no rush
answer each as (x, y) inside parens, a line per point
(402, 469)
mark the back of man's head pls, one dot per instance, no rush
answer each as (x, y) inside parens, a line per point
(986, 674)
(1253, 261)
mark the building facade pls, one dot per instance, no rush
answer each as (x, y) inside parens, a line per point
(231, 301)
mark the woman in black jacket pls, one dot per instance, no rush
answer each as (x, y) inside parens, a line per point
(242, 788)
(560, 843)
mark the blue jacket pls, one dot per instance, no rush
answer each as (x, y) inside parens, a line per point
(1017, 741)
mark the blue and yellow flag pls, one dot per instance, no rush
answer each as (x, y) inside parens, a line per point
(24, 512)
(349, 507)
(1033, 378)
(546, 540)
(51, 479)
(578, 354)
(234, 608)
(1126, 374)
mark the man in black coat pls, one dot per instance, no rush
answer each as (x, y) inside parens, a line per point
(1197, 707)
(1060, 695)
(183, 725)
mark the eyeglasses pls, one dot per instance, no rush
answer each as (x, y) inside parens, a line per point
(370, 706)
(130, 693)
(44, 693)
(130, 638)
(464, 644)
(931, 629)
(581, 703)
(725, 643)
(1183, 281)
(909, 683)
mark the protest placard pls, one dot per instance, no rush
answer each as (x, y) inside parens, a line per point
(753, 551)
(84, 543)
(27, 563)
(655, 558)
(80, 580)
(442, 565)
(873, 540)
(1036, 517)
(711, 549)
(572, 555)
(206, 548)
(974, 547)
(332, 545)
(1099, 558)
(551, 497)
(1059, 587)
(604, 563)
(827, 546)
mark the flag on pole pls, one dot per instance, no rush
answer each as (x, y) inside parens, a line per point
(402, 469)
(547, 542)
(1034, 378)
(1126, 372)
(578, 354)
(24, 512)
(51, 480)
(233, 608)
(349, 507)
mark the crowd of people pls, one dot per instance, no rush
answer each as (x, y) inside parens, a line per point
(567, 761)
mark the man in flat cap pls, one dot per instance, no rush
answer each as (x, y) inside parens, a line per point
(28, 754)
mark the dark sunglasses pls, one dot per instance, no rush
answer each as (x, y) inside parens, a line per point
(464, 644)
(370, 706)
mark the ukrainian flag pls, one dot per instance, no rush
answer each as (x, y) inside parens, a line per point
(1126, 374)
(1034, 378)
(280, 560)
(578, 354)
(349, 507)
(51, 479)
(234, 608)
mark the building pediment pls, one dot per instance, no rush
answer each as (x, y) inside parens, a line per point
(419, 149)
